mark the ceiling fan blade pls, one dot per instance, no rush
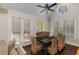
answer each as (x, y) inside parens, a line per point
(40, 6)
(43, 10)
(53, 5)
(51, 10)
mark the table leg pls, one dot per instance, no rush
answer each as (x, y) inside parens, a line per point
(45, 49)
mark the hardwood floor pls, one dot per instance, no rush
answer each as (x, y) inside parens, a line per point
(68, 50)
(28, 49)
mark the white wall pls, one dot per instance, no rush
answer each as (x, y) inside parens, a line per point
(3, 24)
(73, 13)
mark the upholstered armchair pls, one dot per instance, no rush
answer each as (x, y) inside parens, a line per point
(3, 47)
(8, 49)
(52, 49)
(18, 51)
(36, 46)
(15, 49)
(61, 41)
(77, 52)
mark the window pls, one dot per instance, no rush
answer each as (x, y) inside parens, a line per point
(59, 27)
(16, 28)
(39, 26)
(27, 30)
(20, 29)
(69, 29)
(42, 26)
(66, 27)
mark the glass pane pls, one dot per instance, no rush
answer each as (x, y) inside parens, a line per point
(39, 26)
(61, 27)
(69, 29)
(66, 27)
(42, 26)
(16, 28)
(26, 30)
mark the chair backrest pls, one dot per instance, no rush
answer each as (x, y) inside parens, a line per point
(54, 42)
(3, 47)
(42, 34)
(61, 35)
(33, 41)
(77, 52)
(61, 41)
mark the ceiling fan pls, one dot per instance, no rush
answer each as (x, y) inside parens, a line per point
(47, 7)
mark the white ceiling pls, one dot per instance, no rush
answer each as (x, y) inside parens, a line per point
(30, 8)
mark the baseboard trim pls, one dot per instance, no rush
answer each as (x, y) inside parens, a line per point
(71, 43)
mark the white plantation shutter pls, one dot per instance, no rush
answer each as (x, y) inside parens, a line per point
(26, 25)
(16, 24)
